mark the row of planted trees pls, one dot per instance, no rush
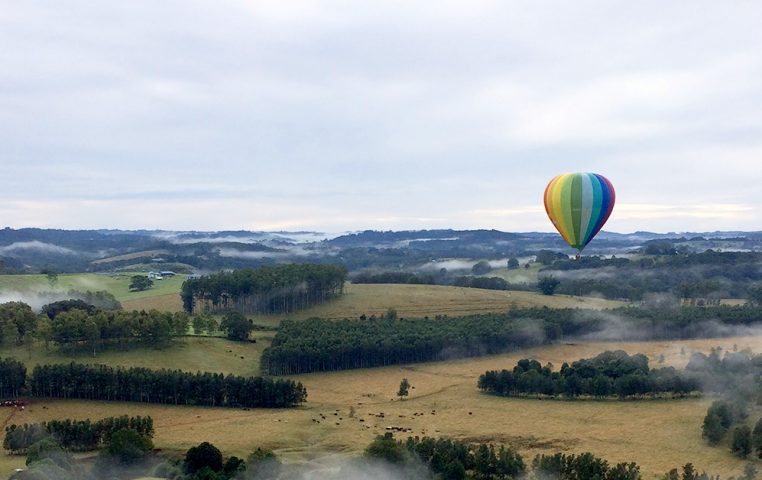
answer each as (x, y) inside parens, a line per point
(267, 290)
(326, 345)
(101, 382)
(175, 387)
(447, 458)
(75, 435)
(12, 378)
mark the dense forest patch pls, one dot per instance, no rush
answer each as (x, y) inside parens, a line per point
(323, 345)
(612, 373)
(267, 290)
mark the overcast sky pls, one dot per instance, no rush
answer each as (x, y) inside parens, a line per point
(335, 116)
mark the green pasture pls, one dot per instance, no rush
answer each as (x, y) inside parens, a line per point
(114, 283)
(212, 354)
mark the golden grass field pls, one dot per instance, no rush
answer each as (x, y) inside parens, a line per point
(431, 300)
(657, 434)
(408, 300)
(168, 302)
(368, 299)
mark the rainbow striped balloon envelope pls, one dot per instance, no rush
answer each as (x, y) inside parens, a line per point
(579, 204)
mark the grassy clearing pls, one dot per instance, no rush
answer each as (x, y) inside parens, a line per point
(657, 434)
(169, 302)
(132, 256)
(368, 299)
(187, 353)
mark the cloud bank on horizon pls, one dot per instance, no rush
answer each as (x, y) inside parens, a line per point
(323, 115)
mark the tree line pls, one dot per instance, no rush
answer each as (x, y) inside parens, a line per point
(395, 277)
(612, 373)
(12, 377)
(175, 387)
(699, 278)
(75, 324)
(327, 345)
(561, 466)
(75, 435)
(468, 281)
(127, 453)
(448, 459)
(266, 290)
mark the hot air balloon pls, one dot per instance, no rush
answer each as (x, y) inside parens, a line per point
(579, 204)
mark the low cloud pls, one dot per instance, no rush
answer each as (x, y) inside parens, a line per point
(451, 264)
(281, 253)
(598, 273)
(583, 274)
(35, 246)
(614, 327)
(36, 300)
(521, 277)
(250, 238)
(255, 255)
(180, 239)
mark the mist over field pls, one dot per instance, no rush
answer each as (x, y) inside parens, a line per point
(333, 467)
(34, 246)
